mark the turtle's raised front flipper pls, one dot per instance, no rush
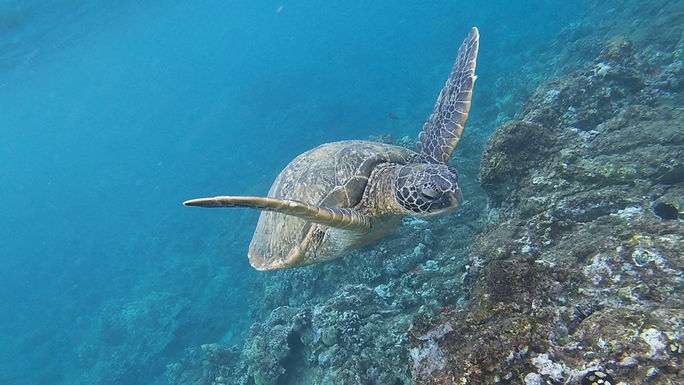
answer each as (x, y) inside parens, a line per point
(330, 216)
(444, 127)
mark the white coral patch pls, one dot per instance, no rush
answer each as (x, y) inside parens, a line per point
(551, 95)
(598, 270)
(426, 359)
(628, 212)
(546, 367)
(382, 291)
(602, 69)
(655, 339)
(533, 379)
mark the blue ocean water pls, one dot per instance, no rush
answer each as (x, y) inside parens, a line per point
(112, 114)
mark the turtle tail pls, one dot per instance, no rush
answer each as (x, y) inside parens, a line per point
(341, 217)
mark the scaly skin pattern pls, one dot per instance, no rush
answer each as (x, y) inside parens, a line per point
(378, 198)
(444, 128)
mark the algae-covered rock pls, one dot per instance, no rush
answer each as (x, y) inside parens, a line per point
(583, 271)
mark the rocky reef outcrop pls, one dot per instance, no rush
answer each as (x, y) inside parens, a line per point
(583, 271)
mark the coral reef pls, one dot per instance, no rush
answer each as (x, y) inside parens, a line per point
(133, 340)
(359, 334)
(341, 341)
(584, 269)
(136, 331)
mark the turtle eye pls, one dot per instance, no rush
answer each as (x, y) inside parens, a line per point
(429, 193)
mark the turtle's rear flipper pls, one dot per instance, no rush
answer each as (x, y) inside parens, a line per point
(330, 216)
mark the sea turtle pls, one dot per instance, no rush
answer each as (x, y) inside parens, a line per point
(340, 196)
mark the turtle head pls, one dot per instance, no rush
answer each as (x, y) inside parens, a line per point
(427, 189)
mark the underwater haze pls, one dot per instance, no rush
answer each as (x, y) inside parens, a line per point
(114, 113)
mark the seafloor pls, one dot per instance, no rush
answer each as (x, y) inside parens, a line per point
(572, 263)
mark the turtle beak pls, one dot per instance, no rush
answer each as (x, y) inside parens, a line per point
(456, 197)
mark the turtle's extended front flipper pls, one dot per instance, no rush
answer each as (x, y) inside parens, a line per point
(346, 218)
(444, 127)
